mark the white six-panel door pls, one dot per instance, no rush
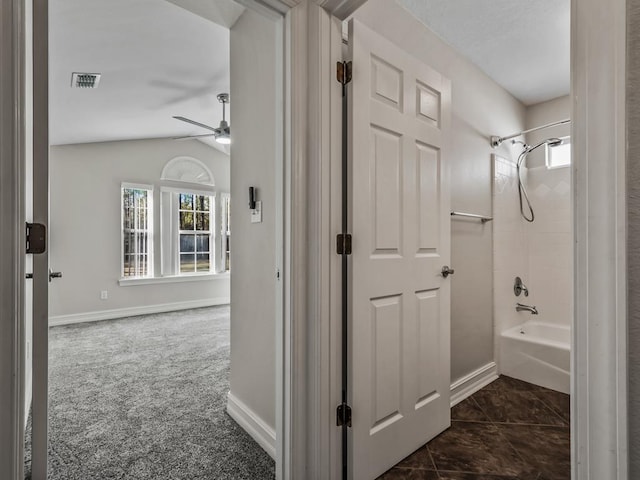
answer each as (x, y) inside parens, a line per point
(399, 121)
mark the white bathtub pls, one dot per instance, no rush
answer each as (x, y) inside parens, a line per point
(538, 353)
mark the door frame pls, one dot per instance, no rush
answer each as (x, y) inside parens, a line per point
(310, 439)
(599, 389)
(12, 237)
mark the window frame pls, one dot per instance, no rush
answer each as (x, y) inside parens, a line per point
(566, 140)
(225, 231)
(149, 230)
(177, 232)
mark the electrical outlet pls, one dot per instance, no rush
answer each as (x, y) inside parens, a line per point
(104, 294)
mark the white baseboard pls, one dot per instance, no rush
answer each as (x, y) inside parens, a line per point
(133, 311)
(28, 393)
(471, 383)
(252, 424)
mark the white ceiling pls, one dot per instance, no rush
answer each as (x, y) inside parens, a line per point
(523, 45)
(156, 59)
(160, 58)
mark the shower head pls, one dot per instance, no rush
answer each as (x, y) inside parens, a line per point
(552, 142)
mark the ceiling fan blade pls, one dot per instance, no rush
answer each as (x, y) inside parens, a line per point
(187, 137)
(198, 124)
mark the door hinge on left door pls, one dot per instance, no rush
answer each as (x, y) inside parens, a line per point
(343, 415)
(343, 244)
(343, 72)
(36, 238)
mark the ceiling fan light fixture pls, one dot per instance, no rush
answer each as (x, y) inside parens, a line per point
(223, 139)
(223, 135)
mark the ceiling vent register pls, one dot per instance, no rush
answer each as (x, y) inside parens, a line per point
(85, 80)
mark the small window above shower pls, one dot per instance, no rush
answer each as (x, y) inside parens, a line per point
(559, 155)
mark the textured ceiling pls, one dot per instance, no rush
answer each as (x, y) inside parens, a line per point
(523, 45)
(156, 59)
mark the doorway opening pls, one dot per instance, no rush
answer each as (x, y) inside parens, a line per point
(151, 250)
(490, 244)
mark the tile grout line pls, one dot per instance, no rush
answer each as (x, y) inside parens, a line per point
(493, 423)
(534, 393)
(433, 462)
(481, 409)
(513, 448)
(552, 408)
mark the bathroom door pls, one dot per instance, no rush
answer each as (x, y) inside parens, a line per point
(399, 122)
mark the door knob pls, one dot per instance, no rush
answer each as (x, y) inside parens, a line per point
(53, 274)
(446, 271)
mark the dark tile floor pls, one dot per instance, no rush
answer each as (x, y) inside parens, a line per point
(508, 430)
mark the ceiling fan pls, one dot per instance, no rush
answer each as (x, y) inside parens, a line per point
(222, 134)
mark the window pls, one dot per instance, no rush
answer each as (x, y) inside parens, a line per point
(226, 230)
(137, 231)
(195, 232)
(559, 155)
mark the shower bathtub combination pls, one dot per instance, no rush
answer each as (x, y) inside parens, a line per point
(538, 353)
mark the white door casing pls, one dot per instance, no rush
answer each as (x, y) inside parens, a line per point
(399, 121)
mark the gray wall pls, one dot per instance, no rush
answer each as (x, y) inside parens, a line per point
(85, 241)
(481, 108)
(633, 234)
(253, 260)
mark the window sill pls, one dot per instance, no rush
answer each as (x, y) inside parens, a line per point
(130, 282)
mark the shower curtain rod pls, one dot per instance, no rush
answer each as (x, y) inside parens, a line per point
(497, 141)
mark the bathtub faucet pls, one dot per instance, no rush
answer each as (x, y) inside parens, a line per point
(526, 308)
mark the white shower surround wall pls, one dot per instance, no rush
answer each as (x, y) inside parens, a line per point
(510, 246)
(540, 253)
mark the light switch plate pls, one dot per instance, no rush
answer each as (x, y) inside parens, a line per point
(256, 213)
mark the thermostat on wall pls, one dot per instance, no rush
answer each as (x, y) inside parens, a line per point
(256, 213)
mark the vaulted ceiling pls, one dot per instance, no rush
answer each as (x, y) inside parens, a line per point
(156, 58)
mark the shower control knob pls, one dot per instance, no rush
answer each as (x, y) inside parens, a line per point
(446, 271)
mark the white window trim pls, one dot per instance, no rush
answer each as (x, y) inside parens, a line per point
(168, 231)
(224, 234)
(212, 233)
(196, 277)
(167, 171)
(150, 229)
(188, 189)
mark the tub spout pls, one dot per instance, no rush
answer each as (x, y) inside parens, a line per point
(526, 308)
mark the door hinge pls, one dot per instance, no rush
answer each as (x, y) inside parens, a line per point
(36, 238)
(344, 72)
(343, 244)
(343, 415)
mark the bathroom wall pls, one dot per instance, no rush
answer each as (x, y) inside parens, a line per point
(550, 277)
(539, 252)
(510, 242)
(480, 108)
